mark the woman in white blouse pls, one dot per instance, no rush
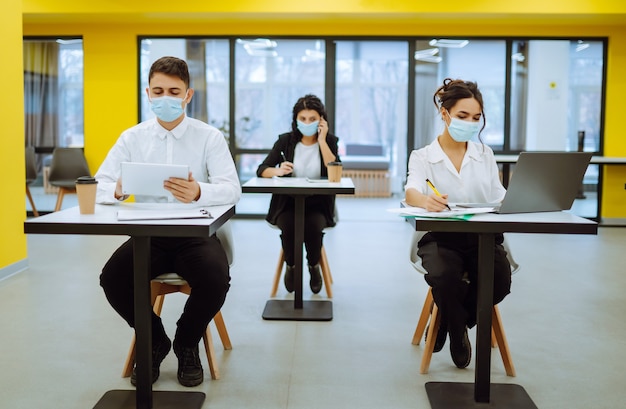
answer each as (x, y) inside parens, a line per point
(462, 170)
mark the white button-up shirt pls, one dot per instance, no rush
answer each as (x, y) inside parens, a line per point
(478, 181)
(194, 143)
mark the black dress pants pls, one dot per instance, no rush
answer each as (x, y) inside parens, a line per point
(314, 224)
(201, 261)
(451, 260)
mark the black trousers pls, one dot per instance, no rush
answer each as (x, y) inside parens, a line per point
(451, 260)
(201, 261)
(314, 224)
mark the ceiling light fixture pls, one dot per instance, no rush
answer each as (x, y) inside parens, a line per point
(519, 57)
(314, 55)
(448, 43)
(260, 47)
(581, 46)
(427, 55)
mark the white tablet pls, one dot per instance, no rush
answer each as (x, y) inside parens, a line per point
(146, 179)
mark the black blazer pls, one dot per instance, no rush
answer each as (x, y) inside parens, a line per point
(286, 143)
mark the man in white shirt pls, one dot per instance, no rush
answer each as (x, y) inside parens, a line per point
(173, 138)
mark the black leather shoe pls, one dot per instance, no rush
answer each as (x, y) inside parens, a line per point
(289, 272)
(316, 278)
(461, 350)
(442, 334)
(159, 352)
(189, 367)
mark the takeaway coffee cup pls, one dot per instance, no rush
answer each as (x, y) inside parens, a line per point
(334, 171)
(86, 191)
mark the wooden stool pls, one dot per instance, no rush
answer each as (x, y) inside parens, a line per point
(430, 312)
(173, 283)
(326, 275)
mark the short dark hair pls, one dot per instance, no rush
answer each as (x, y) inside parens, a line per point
(308, 101)
(170, 66)
(451, 91)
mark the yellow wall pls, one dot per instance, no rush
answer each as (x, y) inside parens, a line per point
(328, 7)
(12, 207)
(110, 31)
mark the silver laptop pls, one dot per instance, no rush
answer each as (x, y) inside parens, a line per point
(543, 182)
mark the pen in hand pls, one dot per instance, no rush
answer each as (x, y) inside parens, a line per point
(434, 189)
(283, 155)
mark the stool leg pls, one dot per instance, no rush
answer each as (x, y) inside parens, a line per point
(435, 319)
(210, 354)
(328, 280)
(127, 370)
(424, 317)
(156, 299)
(503, 344)
(279, 271)
(325, 258)
(209, 346)
(221, 330)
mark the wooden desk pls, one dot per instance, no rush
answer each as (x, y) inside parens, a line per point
(509, 396)
(104, 222)
(299, 188)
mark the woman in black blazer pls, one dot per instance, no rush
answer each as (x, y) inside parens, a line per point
(303, 152)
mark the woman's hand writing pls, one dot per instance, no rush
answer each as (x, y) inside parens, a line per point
(285, 168)
(436, 203)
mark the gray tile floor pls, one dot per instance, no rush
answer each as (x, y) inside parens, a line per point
(63, 346)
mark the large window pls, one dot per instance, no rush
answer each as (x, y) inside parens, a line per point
(555, 90)
(482, 61)
(371, 98)
(209, 69)
(53, 92)
(552, 102)
(539, 94)
(270, 76)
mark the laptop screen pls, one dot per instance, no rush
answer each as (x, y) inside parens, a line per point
(545, 181)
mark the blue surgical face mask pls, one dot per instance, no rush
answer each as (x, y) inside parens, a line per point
(308, 129)
(463, 131)
(166, 108)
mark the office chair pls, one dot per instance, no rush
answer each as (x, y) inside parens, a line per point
(430, 316)
(172, 283)
(67, 165)
(31, 175)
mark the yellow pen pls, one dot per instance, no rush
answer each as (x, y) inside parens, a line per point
(434, 189)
